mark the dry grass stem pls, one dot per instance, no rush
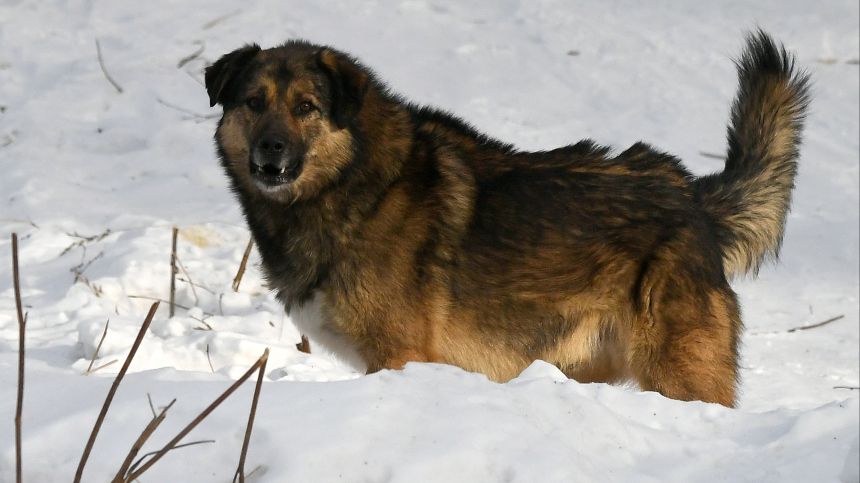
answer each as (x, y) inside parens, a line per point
(112, 391)
(22, 323)
(712, 155)
(135, 448)
(238, 279)
(199, 418)
(173, 272)
(240, 472)
(202, 321)
(83, 240)
(190, 282)
(152, 453)
(807, 327)
(100, 367)
(199, 116)
(98, 347)
(191, 57)
(208, 25)
(104, 69)
(151, 406)
(208, 358)
(156, 299)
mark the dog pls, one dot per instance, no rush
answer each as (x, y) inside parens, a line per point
(393, 232)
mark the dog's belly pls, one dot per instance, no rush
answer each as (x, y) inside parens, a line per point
(311, 320)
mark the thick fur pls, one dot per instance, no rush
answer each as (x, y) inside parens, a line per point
(396, 233)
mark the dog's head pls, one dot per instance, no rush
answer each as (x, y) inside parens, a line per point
(288, 113)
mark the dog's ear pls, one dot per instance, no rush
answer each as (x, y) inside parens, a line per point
(221, 74)
(349, 84)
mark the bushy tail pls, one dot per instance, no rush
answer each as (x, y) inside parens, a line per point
(749, 200)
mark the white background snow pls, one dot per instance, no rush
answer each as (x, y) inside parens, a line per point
(79, 158)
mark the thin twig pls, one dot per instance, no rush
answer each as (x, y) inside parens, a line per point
(208, 25)
(100, 367)
(191, 57)
(79, 269)
(238, 279)
(240, 472)
(208, 327)
(208, 359)
(712, 155)
(144, 297)
(151, 453)
(850, 388)
(112, 391)
(173, 272)
(202, 287)
(22, 322)
(84, 240)
(151, 406)
(200, 417)
(807, 327)
(190, 282)
(104, 69)
(135, 448)
(187, 111)
(96, 353)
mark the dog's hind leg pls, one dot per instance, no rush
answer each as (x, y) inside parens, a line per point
(684, 344)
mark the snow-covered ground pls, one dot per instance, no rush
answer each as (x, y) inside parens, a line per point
(93, 180)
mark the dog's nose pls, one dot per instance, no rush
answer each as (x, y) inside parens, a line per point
(271, 145)
(274, 161)
(271, 154)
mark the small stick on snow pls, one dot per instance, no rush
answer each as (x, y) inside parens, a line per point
(151, 406)
(208, 359)
(850, 388)
(98, 347)
(712, 155)
(240, 472)
(173, 272)
(100, 367)
(192, 56)
(104, 69)
(190, 282)
(208, 25)
(807, 327)
(112, 391)
(187, 111)
(22, 322)
(156, 299)
(238, 279)
(199, 418)
(135, 448)
(147, 455)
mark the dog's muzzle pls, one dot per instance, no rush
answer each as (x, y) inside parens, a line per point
(273, 163)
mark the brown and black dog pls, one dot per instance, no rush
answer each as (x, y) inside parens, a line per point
(396, 233)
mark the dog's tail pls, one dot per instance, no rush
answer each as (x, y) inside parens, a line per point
(749, 200)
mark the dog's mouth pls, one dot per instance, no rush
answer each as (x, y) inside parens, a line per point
(269, 176)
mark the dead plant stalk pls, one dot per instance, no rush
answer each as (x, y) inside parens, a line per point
(112, 391)
(260, 362)
(22, 322)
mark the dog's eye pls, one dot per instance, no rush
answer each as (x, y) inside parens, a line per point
(305, 107)
(255, 104)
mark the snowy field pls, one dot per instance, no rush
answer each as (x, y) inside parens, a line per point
(93, 179)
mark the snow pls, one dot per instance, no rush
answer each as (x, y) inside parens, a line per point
(79, 158)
